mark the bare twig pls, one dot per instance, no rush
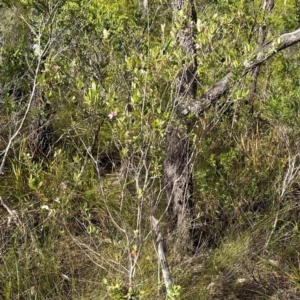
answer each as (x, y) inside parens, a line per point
(291, 175)
(13, 216)
(5, 152)
(42, 53)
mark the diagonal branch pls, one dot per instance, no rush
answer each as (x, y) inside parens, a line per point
(211, 96)
(161, 253)
(218, 90)
(4, 153)
(269, 49)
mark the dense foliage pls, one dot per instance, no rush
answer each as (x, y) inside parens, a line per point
(87, 91)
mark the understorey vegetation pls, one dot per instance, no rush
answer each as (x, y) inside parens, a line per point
(149, 149)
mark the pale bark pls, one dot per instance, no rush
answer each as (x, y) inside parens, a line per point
(159, 244)
(220, 88)
(271, 48)
(144, 7)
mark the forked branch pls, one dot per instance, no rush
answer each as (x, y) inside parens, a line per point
(218, 90)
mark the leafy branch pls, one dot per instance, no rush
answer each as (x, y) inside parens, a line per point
(220, 88)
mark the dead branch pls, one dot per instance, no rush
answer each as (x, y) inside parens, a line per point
(161, 253)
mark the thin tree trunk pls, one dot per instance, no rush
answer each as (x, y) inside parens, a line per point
(263, 31)
(178, 162)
